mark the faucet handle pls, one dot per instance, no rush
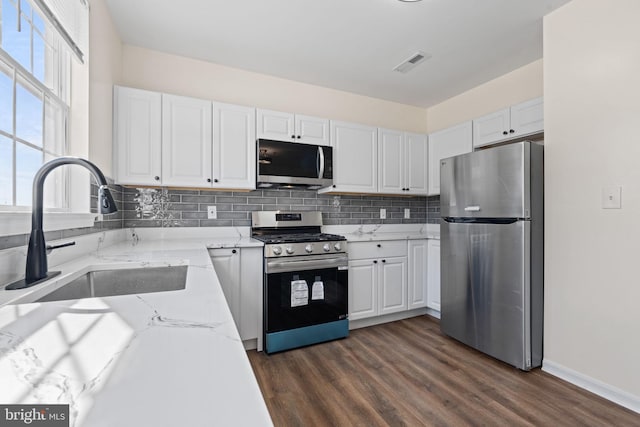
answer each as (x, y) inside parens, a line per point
(62, 245)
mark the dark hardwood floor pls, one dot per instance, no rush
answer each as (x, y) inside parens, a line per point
(408, 373)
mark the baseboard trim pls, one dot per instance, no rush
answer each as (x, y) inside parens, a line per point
(378, 320)
(433, 313)
(598, 387)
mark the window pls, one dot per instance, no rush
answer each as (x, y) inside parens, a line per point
(34, 104)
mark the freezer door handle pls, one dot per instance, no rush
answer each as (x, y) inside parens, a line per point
(466, 220)
(472, 209)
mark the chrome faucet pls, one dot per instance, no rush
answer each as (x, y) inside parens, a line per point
(37, 269)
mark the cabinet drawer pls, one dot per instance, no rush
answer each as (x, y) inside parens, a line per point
(377, 249)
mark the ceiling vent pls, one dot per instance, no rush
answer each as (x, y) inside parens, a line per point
(408, 64)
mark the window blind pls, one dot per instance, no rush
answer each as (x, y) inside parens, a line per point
(71, 19)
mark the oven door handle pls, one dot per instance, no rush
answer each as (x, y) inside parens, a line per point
(283, 266)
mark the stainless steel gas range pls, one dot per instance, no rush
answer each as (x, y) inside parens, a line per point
(305, 280)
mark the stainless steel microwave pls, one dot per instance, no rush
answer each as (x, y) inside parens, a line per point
(291, 164)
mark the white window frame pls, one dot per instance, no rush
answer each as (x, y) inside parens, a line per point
(15, 220)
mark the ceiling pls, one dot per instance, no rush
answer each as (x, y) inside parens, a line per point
(350, 45)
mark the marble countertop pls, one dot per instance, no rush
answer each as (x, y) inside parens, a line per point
(163, 359)
(377, 232)
(366, 237)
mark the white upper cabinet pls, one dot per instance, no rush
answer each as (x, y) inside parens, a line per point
(292, 127)
(234, 147)
(391, 159)
(416, 163)
(516, 121)
(177, 141)
(402, 162)
(312, 130)
(275, 125)
(447, 143)
(355, 158)
(137, 150)
(186, 142)
(527, 117)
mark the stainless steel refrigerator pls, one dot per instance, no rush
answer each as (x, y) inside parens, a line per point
(491, 206)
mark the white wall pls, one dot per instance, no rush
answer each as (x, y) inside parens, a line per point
(153, 70)
(592, 139)
(105, 70)
(519, 85)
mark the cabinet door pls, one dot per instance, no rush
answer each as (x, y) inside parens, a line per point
(234, 147)
(226, 263)
(391, 174)
(491, 128)
(417, 288)
(186, 142)
(433, 272)
(137, 136)
(363, 287)
(392, 285)
(275, 125)
(311, 130)
(251, 262)
(416, 165)
(446, 143)
(355, 157)
(527, 118)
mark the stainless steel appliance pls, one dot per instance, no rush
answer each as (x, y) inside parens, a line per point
(291, 164)
(491, 204)
(305, 280)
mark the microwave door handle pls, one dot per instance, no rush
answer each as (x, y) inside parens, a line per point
(321, 158)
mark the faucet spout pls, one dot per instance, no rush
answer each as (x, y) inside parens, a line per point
(37, 270)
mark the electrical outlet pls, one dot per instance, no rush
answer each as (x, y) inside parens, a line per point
(383, 213)
(212, 212)
(407, 213)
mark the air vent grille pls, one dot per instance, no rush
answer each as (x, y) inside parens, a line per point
(409, 63)
(416, 59)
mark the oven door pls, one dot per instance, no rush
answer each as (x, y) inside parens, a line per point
(305, 291)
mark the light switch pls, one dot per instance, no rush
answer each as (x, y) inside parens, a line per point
(383, 213)
(611, 197)
(407, 213)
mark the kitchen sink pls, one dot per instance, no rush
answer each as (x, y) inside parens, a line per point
(106, 283)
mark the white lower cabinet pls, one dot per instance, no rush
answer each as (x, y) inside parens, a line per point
(392, 276)
(239, 271)
(393, 284)
(433, 274)
(377, 278)
(418, 279)
(363, 285)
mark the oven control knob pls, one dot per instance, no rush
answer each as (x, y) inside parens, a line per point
(308, 248)
(289, 250)
(337, 246)
(277, 250)
(326, 247)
